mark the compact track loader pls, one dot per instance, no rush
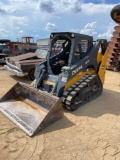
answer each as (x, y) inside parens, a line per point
(72, 75)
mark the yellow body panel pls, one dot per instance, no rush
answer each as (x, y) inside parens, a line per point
(100, 59)
(103, 65)
(77, 77)
(48, 82)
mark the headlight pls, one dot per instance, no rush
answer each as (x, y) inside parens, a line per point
(18, 65)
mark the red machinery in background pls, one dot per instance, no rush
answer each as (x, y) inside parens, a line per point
(113, 62)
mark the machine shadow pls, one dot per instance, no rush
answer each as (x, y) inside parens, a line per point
(106, 103)
(58, 125)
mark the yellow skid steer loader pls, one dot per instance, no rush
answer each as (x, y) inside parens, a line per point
(72, 75)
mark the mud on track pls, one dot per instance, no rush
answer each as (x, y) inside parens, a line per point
(90, 133)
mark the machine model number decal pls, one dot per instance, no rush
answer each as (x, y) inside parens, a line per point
(77, 70)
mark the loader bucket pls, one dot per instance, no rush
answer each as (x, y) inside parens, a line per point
(29, 108)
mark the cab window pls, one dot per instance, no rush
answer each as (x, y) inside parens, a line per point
(80, 50)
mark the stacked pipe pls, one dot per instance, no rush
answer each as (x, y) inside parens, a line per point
(113, 62)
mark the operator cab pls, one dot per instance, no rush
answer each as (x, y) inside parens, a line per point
(66, 49)
(59, 53)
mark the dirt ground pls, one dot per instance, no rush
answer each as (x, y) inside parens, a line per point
(90, 133)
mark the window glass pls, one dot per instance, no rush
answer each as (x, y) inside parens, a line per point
(80, 50)
(58, 46)
(84, 45)
(2, 46)
(41, 53)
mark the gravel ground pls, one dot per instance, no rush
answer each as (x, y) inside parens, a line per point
(90, 133)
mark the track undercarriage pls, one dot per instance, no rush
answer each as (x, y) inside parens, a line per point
(83, 91)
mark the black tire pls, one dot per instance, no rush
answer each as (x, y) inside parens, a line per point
(116, 10)
(31, 74)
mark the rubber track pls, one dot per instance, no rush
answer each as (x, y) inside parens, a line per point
(85, 88)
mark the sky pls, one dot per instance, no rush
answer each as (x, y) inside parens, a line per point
(38, 18)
